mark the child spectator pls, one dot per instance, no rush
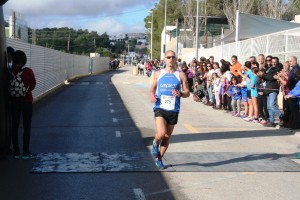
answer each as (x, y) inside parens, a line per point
(216, 89)
(236, 96)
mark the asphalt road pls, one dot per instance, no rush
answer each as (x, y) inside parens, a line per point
(111, 113)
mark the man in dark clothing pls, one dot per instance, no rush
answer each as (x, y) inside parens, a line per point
(272, 90)
(293, 102)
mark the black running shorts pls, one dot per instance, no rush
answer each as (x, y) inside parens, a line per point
(170, 117)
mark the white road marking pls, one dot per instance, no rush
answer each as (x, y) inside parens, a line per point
(110, 104)
(139, 194)
(109, 99)
(115, 120)
(85, 83)
(118, 134)
(112, 110)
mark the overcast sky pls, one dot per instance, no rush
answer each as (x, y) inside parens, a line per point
(111, 16)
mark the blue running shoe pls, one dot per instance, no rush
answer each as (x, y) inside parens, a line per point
(155, 149)
(160, 164)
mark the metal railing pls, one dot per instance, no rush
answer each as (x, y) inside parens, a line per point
(51, 67)
(281, 44)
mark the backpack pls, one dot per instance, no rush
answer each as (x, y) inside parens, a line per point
(17, 87)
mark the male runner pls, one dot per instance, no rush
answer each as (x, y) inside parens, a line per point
(165, 93)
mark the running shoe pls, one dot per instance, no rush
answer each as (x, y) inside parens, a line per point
(28, 155)
(155, 149)
(160, 164)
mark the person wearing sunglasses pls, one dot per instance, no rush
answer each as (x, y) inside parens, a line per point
(165, 93)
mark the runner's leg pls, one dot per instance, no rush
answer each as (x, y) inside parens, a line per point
(166, 141)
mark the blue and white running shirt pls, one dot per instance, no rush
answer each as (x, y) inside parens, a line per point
(165, 84)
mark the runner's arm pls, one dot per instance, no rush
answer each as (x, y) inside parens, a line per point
(153, 88)
(185, 86)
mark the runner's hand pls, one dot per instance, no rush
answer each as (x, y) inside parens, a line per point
(153, 98)
(176, 93)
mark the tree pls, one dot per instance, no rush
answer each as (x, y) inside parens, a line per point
(276, 9)
(230, 7)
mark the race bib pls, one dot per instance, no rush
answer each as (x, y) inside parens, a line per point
(167, 102)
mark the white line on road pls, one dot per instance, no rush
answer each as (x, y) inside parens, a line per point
(139, 195)
(115, 120)
(112, 110)
(110, 104)
(118, 133)
(109, 99)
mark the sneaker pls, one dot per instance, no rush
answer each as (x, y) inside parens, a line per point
(270, 124)
(255, 120)
(160, 164)
(237, 115)
(28, 155)
(155, 149)
(263, 122)
(244, 116)
(16, 154)
(233, 113)
(280, 120)
(248, 119)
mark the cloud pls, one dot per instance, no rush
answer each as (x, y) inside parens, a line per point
(111, 16)
(75, 7)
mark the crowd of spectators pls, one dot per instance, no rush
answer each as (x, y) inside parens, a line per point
(250, 90)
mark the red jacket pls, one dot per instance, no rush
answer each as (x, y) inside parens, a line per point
(29, 82)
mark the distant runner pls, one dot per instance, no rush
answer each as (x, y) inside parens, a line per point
(165, 93)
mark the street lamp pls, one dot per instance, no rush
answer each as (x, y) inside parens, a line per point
(151, 47)
(164, 50)
(197, 30)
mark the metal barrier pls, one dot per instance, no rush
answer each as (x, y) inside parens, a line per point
(52, 67)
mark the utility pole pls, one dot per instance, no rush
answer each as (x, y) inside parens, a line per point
(197, 31)
(33, 36)
(68, 48)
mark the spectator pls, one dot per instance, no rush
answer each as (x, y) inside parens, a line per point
(272, 89)
(179, 63)
(216, 89)
(211, 60)
(22, 105)
(293, 79)
(262, 99)
(244, 90)
(226, 97)
(261, 61)
(209, 83)
(284, 89)
(236, 67)
(236, 96)
(216, 67)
